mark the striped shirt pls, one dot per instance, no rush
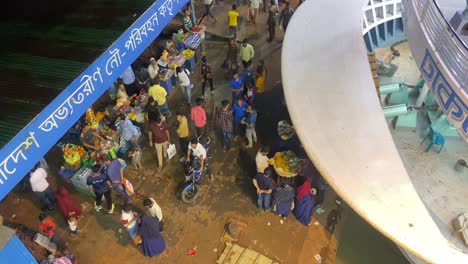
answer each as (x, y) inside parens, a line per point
(225, 120)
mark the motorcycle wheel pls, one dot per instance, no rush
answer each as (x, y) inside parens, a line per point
(190, 193)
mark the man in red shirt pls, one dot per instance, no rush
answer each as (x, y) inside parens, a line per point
(199, 117)
(160, 136)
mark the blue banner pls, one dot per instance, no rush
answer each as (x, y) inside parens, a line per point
(41, 134)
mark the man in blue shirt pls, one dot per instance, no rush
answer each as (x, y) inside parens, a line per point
(249, 122)
(100, 184)
(264, 185)
(115, 173)
(237, 86)
(239, 113)
(248, 78)
(130, 132)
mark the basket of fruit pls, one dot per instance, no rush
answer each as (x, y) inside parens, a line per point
(286, 164)
(73, 154)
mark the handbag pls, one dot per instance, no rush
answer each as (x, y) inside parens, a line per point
(171, 151)
(128, 186)
(137, 239)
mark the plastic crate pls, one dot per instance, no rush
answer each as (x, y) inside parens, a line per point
(79, 180)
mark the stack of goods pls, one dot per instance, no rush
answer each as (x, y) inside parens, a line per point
(108, 147)
(80, 178)
(91, 119)
(72, 154)
(192, 41)
(141, 100)
(136, 114)
(89, 161)
(108, 133)
(180, 36)
(188, 53)
(287, 161)
(178, 60)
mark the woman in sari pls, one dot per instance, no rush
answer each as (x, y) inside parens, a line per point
(149, 230)
(261, 76)
(305, 200)
(67, 204)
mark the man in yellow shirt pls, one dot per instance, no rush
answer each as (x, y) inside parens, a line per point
(159, 95)
(183, 133)
(232, 21)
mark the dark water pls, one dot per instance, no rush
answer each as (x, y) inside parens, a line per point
(360, 243)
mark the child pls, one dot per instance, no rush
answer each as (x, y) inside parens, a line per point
(250, 94)
(73, 223)
(135, 154)
(129, 220)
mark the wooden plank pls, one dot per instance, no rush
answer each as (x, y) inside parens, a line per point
(225, 253)
(248, 257)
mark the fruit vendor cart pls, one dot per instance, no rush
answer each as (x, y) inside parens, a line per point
(166, 76)
(191, 42)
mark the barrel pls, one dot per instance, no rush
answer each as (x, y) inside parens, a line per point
(395, 110)
(390, 88)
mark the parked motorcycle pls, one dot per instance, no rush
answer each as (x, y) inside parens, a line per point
(193, 174)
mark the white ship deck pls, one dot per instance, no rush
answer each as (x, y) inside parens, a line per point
(443, 190)
(334, 107)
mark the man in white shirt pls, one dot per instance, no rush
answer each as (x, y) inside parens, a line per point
(261, 160)
(41, 187)
(197, 150)
(182, 75)
(153, 68)
(208, 4)
(153, 208)
(255, 5)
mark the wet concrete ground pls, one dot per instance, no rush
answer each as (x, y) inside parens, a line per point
(229, 194)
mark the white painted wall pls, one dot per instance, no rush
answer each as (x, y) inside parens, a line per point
(377, 12)
(334, 107)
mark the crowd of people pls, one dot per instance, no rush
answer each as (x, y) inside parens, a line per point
(308, 195)
(140, 87)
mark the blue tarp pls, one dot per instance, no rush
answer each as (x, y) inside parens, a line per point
(15, 252)
(33, 142)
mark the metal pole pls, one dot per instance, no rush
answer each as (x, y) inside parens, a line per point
(422, 95)
(194, 19)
